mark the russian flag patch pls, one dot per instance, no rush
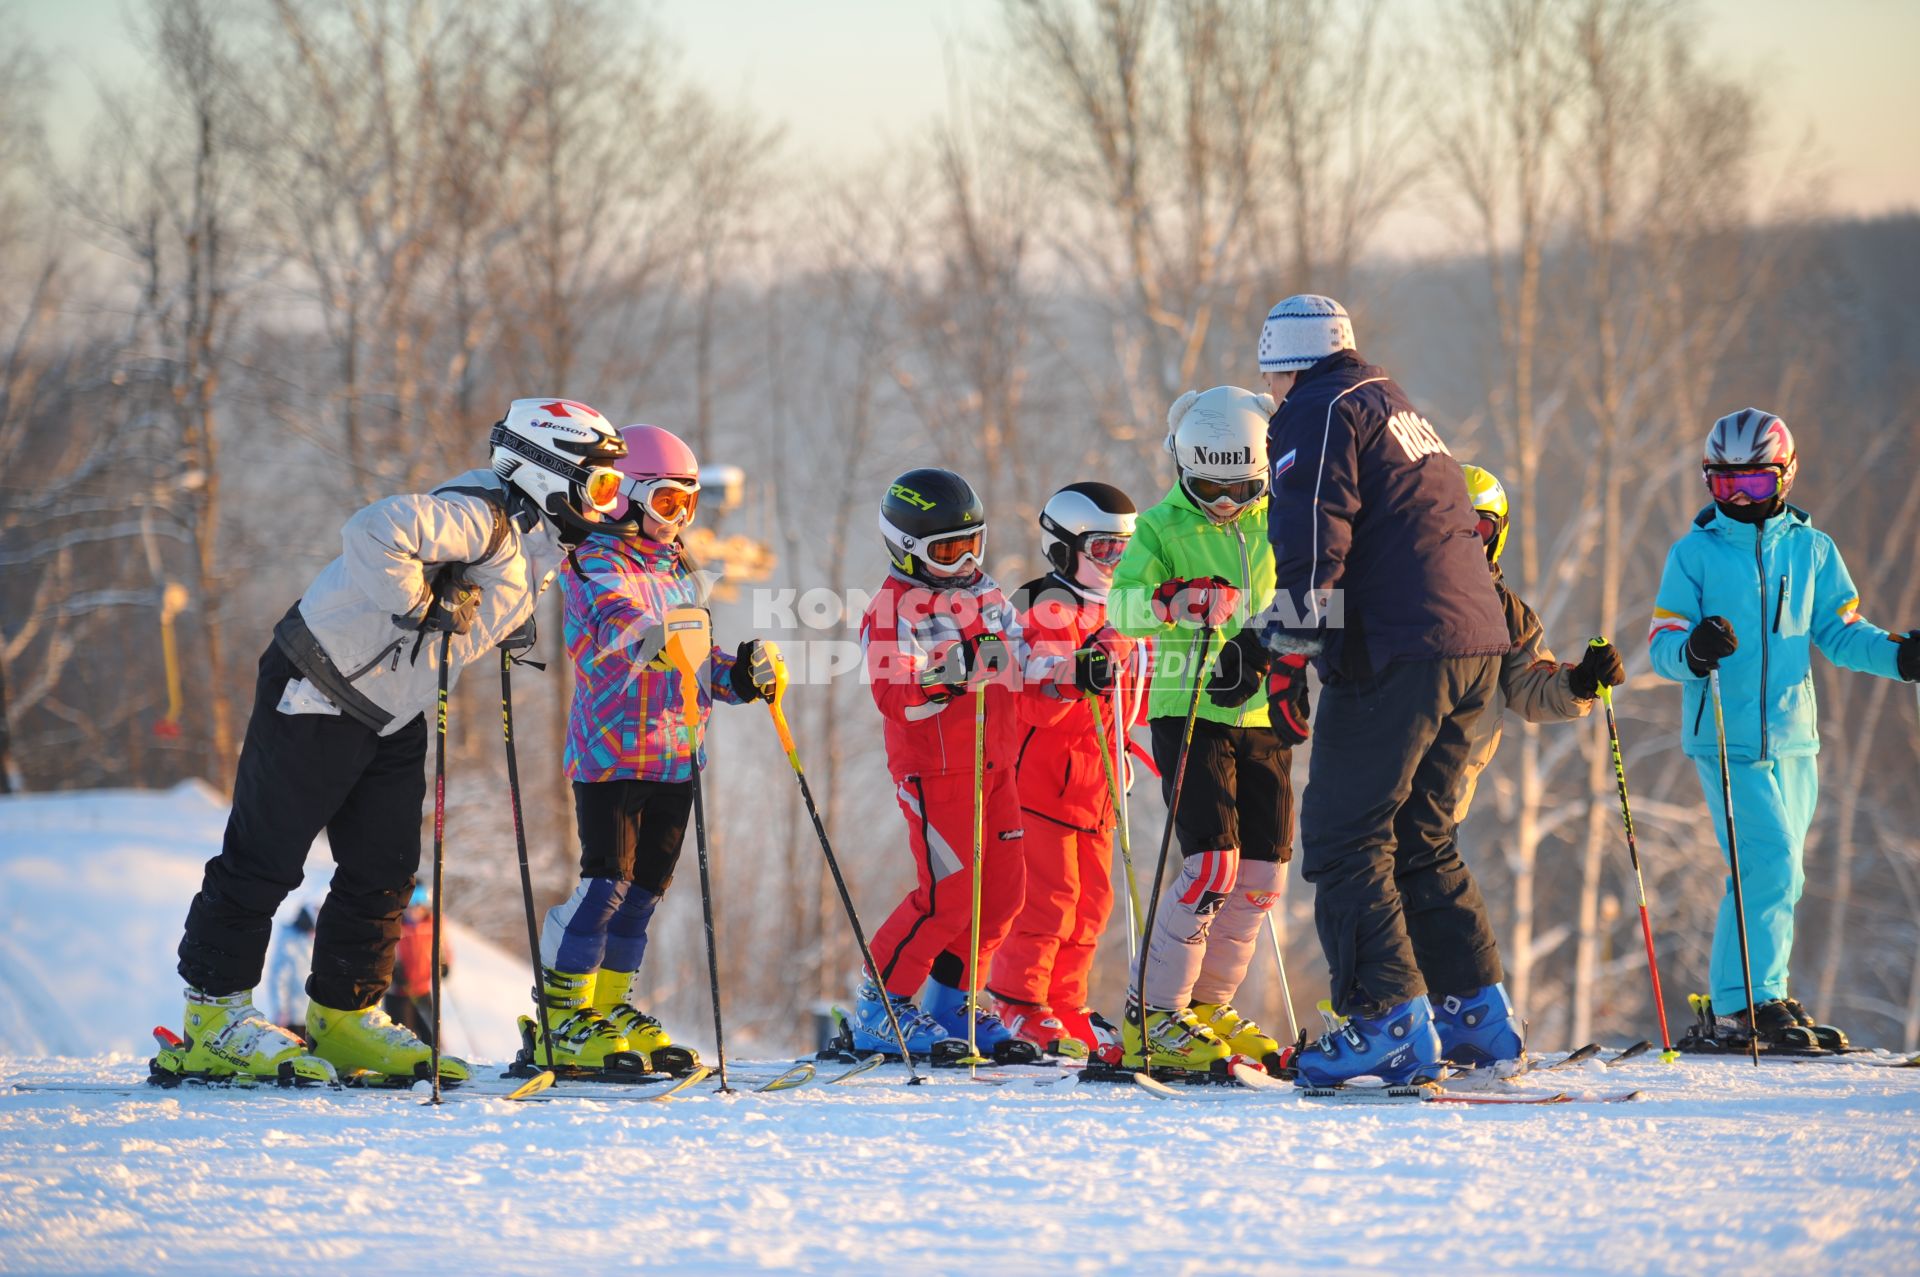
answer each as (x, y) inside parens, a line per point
(1285, 463)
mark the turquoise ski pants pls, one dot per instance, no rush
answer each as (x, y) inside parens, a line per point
(1773, 805)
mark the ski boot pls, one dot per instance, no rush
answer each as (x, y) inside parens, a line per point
(948, 1008)
(367, 1042)
(1727, 1034)
(1094, 1031)
(586, 1044)
(1829, 1038)
(611, 993)
(1175, 1039)
(1037, 1024)
(1242, 1036)
(227, 1038)
(1478, 1030)
(869, 1029)
(1399, 1046)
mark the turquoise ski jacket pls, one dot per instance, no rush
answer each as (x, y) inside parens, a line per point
(1784, 589)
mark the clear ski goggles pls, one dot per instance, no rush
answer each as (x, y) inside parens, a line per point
(1208, 492)
(1104, 548)
(1757, 484)
(668, 500)
(952, 549)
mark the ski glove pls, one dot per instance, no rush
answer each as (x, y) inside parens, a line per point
(1287, 707)
(1601, 664)
(452, 601)
(1711, 641)
(1236, 677)
(752, 676)
(1093, 669)
(1195, 602)
(1909, 657)
(964, 665)
(522, 639)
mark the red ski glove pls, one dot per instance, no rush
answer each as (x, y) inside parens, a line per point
(1287, 707)
(1195, 602)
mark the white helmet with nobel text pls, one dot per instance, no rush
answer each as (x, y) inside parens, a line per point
(561, 454)
(1218, 439)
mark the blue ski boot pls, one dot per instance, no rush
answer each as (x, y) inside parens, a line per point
(948, 1008)
(1479, 1030)
(872, 1031)
(1398, 1047)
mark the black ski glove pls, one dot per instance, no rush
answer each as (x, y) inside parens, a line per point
(1910, 656)
(523, 639)
(1711, 641)
(451, 602)
(1093, 669)
(1237, 674)
(964, 665)
(752, 676)
(1287, 707)
(1601, 664)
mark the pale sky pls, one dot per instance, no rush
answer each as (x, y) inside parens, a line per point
(846, 77)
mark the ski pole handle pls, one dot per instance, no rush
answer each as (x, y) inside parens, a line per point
(1604, 689)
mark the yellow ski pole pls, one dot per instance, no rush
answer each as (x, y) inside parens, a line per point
(974, 1059)
(1118, 800)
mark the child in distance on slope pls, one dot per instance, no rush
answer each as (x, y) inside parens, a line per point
(937, 635)
(1750, 590)
(627, 753)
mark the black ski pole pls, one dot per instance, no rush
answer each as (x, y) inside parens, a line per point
(520, 842)
(1733, 861)
(706, 909)
(439, 842)
(1201, 649)
(833, 864)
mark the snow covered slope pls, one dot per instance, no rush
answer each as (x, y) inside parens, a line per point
(94, 887)
(1810, 1167)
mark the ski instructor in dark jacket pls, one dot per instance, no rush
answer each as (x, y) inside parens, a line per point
(1381, 581)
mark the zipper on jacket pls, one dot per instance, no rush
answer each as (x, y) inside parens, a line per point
(1246, 592)
(393, 648)
(1780, 603)
(1760, 566)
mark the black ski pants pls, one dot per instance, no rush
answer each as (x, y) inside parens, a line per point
(299, 774)
(1398, 912)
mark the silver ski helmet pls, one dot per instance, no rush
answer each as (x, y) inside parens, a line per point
(1084, 527)
(560, 453)
(935, 528)
(1218, 439)
(1742, 449)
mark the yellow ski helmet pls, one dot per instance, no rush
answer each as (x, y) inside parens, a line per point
(1490, 503)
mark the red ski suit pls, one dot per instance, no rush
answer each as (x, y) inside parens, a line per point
(1063, 789)
(907, 628)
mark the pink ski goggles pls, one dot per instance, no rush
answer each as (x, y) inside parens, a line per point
(1756, 485)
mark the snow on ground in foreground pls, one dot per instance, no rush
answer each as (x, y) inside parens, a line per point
(1795, 1167)
(1790, 1167)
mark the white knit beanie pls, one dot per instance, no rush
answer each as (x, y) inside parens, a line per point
(1303, 330)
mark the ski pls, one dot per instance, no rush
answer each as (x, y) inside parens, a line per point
(1638, 1049)
(791, 1080)
(635, 1095)
(867, 1065)
(1061, 1081)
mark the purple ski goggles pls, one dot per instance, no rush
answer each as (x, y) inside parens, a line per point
(1756, 485)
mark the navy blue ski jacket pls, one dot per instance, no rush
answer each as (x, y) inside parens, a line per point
(1368, 501)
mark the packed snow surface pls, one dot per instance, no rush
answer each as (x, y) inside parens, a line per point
(1790, 1167)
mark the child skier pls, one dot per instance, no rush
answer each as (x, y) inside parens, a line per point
(337, 741)
(938, 635)
(1201, 557)
(1039, 977)
(1750, 590)
(629, 759)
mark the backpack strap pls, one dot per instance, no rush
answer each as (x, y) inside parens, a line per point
(496, 502)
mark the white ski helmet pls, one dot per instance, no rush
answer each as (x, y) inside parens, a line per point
(560, 453)
(1218, 439)
(1303, 330)
(1749, 439)
(1084, 527)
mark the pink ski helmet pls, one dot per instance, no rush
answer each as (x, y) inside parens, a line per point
(654, 454)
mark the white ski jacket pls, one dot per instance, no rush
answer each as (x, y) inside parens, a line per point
(348, 634)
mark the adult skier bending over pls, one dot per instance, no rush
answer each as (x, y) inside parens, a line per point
(338, 739)
(1381, 580)
(1750, 590)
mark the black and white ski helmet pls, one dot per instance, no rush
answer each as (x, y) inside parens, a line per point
(1749, 439)
(561, 454)
(934, 526)
(1076, 512)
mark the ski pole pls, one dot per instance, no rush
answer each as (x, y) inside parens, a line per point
(779, 715)
(1733, 860)
(1123, 818)
(520, 842)
(1667, 1052)
(688, 647)
(1120, 822)
(1280, 967)
(1199, 652)
(974, 1059)
(439, 841)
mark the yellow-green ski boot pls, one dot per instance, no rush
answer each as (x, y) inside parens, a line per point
(1242, 1036)
(1175, 1039)
(584, 1040)
(227, 1038)
(369, 1042)
(612, 998)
